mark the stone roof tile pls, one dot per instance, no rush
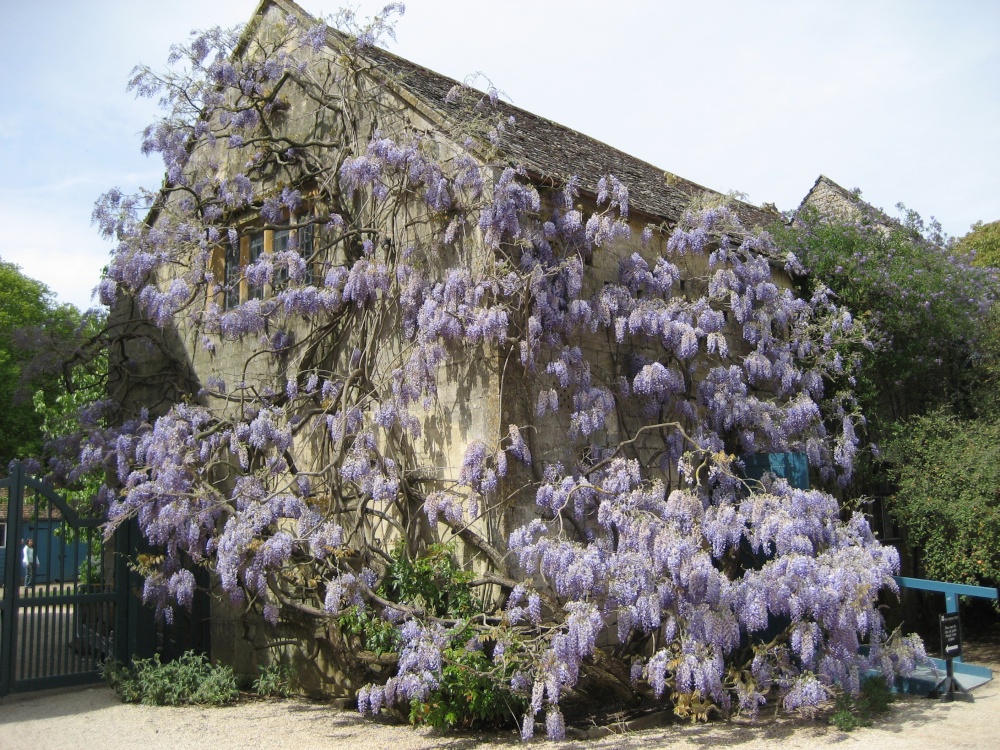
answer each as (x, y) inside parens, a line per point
(548, 150)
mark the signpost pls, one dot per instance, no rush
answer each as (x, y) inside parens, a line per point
(951, 649)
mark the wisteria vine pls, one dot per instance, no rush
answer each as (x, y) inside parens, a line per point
(601, 512)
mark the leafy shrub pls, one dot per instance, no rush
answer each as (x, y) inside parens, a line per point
(432, 581)
(376, 634)
(471, 689)
(843, 717)
(274, 681)
(851, 712)
(948, 471)
(875, 697)
(468, 694)
(191, 678)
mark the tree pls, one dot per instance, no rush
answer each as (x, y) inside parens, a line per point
(983, 244)
(923, 303)
(28, 316)
(304, 471)
(947, 500)
(75, 360)
(929, 382)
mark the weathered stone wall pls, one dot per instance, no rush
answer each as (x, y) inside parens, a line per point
(467, 404)
(480, 391)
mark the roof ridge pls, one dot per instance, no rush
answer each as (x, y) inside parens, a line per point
(545, 147)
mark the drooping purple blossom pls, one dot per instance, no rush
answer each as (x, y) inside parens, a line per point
(652, 388)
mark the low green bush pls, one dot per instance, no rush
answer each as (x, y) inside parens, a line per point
(472, 691)
(468, 695)
(274, 681)
(191, 678)
(851, 712)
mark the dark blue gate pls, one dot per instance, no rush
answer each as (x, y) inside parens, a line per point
(66, 611)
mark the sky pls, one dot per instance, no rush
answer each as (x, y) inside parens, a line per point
(900, 98)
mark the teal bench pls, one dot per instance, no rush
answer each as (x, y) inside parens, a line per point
(967, 675)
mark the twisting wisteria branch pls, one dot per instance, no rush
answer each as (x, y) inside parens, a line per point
(610, 514)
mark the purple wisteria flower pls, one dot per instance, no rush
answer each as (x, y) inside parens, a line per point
(448, 362)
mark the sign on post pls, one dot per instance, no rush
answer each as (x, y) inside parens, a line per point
(951, 636)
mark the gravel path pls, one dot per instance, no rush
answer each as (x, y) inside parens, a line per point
(95, 718)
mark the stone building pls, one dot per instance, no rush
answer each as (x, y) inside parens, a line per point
(241, 309)
(831, 200)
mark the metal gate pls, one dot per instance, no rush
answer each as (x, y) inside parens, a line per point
(66, 611)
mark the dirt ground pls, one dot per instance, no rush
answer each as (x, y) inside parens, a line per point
(95, 717)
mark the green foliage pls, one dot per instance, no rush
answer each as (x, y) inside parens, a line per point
(90, 568)
(948, 473)
(25, 304)
(191, 678)
(472, 689)
(80, 385)
(851, 712)
(376, 634)
(433, 581)
(986, 362)
(984, 241)
(923, 304)
(843, 717)
(875, 697)
(468, 694)
(274, 681)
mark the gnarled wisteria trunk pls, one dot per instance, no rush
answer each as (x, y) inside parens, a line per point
(417, 361)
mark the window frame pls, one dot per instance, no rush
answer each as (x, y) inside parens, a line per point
(233, 260)
(233, 288)
(304, 238)
(232, 274)
(257, 245)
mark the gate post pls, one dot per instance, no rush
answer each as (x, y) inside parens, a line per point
(123, 637)
(12, 575)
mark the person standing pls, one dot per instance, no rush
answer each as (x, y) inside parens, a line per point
(28, 562)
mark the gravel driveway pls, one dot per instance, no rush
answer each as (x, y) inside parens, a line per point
(95, 718)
